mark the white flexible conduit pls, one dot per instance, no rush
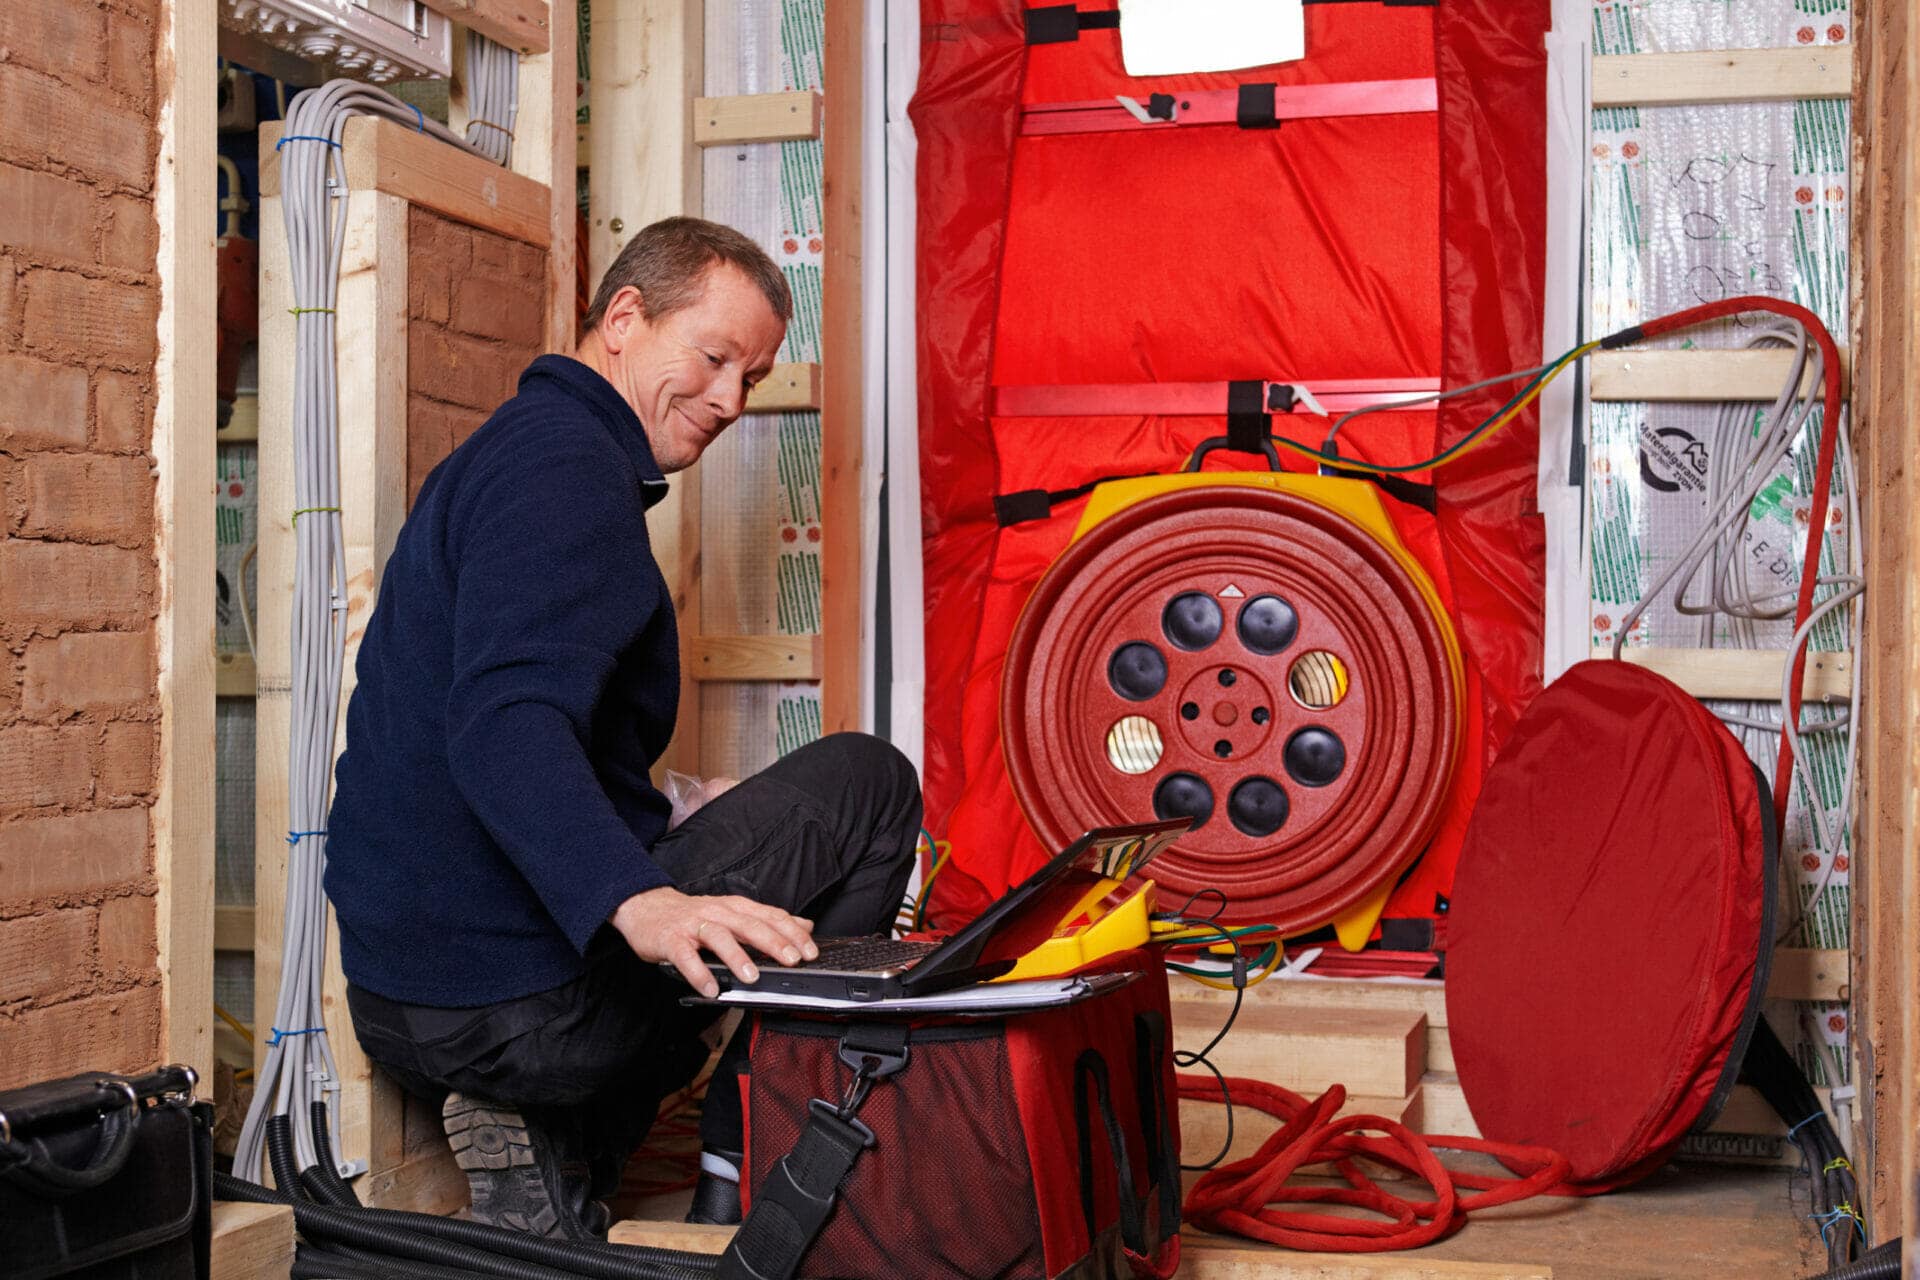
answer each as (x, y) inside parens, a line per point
(299, 1067)
(493, 97)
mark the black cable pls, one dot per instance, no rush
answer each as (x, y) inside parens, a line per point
(333, 1187)
(1772, 1070)
(1184, 1058)
(1882, 1262)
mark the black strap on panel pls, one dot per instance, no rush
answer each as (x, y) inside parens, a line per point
(1037, 504)
(1248, 425)
(1256, 107)
(1063, 23)
(1399, 488)
(1092, 1068)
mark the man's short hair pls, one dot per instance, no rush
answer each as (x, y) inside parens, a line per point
(668, 263)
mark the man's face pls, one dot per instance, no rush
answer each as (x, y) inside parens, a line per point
(687, 373)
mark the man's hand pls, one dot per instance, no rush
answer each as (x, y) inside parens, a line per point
(668, 925)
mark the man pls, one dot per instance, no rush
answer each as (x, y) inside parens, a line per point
(499, 862)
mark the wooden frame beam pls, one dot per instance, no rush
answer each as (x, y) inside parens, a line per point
(756, 117)
(521, 25)
(789, 388)
(380, 155)
(1694, 376)
(776, 657)
(1741, 673)
(183, 449)
(1734, 75)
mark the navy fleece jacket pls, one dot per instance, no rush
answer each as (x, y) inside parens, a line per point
(518, 678)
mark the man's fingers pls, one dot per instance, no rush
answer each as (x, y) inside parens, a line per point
(718, 938)
(686, 958)
(797, 931)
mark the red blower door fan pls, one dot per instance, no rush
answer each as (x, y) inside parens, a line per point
(1254, 651)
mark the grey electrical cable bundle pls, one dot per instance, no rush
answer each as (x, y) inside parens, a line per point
(1743, 459)
(299, 1068)
(493, 97)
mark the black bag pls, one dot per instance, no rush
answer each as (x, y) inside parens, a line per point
(107, 1178)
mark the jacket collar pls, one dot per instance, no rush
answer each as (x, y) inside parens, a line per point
(585, 384)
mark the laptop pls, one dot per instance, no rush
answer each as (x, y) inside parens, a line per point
(884, 968)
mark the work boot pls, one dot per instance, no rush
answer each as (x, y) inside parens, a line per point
(515, 1176)
(716, 1196)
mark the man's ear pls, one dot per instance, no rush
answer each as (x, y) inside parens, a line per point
(623, 321)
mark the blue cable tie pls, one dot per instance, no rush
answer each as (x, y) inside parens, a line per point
(295, 837)
(1804, 1123)
(419, 121)
(279, 1035)
(308, 137)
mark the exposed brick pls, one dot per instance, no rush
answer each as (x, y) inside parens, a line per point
(499, 309)
(132, 233)
(9, 307)
(130, 58)
(85, 497)
(53, 585)
(492, 254)
(11, 503)
(66, 39)
(44, 123)
(123, 422)
(529, 263)
(41, 766)
(429, 439)
(127, 937)
(459, 369)
(47, 216)
(41, 404)
(73, 854)
(431, 236)
(429, 289)
(47, 957)
(118, 1033)
(127, 755)
(97, 321)
(102, 671)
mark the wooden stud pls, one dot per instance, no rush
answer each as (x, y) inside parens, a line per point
(383, 156)
(1804, 974)
(756, 117)
(648, 66)
(1427, 998)
(1741, 673)
(754, 657)
(843, 392)
(243, 427)
(1733, 75)
(521, 25)
(184, 455)
(543, 151)
(790, 388)
(1885, 230)
(1696, 376)
(251, 1241)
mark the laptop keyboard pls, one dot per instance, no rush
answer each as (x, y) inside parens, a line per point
(866, 953)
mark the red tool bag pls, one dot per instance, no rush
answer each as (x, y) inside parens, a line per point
(1026, 1145)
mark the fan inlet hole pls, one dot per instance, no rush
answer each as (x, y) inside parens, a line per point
(1318, 680)
(1133, 744)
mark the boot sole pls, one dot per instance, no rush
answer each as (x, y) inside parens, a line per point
(492, 1147)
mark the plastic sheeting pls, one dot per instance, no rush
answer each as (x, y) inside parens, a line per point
(1390, 246)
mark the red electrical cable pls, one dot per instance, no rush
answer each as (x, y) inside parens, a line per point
(1822, 479)
(1241, 1198)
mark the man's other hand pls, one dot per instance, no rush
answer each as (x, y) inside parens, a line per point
(667, 925)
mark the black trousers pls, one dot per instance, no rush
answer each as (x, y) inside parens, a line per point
(827, 832)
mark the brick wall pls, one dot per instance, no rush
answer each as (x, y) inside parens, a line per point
(475, 316)
(79, 988)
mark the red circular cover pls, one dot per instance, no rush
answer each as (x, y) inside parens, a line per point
(1606, 923)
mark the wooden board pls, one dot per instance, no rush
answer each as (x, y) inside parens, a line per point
(518, 24)
(756, 117)
(1376, 1053)
(1694, 376)
(843, 699)
(789, 388)
(183, 450)
(232, 928)
(252, 1241)
(752, 658)
(1736, 75)
(1800, 973)
(381, 155)
(243, 427)
(543, 151)
(1741, 673)
(233, 675)
(1425, 997)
